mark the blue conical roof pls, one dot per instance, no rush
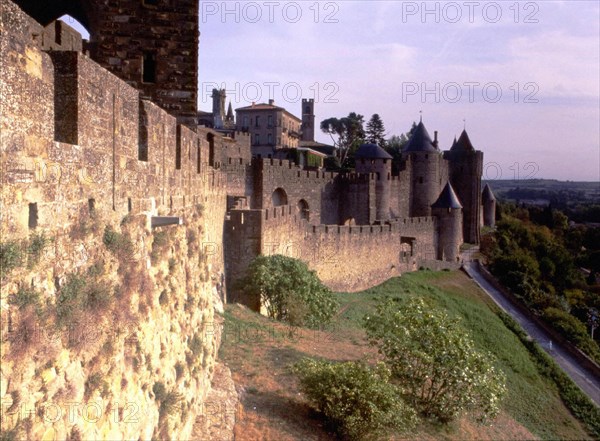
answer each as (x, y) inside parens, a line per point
(420, 141)
(488, 194)
(463, 144)
(372, 151)
(447, 198)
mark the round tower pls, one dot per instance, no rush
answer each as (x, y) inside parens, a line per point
(448, 210)
(425, 159)
(488, 201)
(370, 158)
(465, 167)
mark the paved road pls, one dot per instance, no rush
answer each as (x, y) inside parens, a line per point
(586, 380)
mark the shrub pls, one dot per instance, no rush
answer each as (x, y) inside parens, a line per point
(572, 329)
(434, 361)
(289, 291)
(36, 246)
(24, 297)
(117, 243)
(11, 256)
(81, 291)
(358, 401)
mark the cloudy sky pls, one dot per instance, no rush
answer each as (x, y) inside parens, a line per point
(523, 75)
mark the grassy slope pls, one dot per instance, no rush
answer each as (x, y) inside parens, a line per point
(259, 350)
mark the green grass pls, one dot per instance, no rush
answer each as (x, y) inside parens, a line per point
(533, 399)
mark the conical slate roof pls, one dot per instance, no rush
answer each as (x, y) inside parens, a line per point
(372, 151)
(230, 112)
(487, 194)
(447, 199)
(463, 144)
(420, 141)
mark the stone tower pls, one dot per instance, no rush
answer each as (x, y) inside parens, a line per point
(151, 44)
(448, 211)
(465, 168)
(308, 119)
(425, 158)
(218, 108)
(489, 207)
(370, 158)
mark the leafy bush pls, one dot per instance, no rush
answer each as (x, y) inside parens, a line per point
(434, 361)
(572, 329)
(289, 291)
(11, 256)
(357, 401)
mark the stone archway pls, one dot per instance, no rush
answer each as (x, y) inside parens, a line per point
(303, 209)
(279, 197)
(45, 12)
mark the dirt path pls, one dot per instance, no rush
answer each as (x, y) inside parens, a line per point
(586, 380)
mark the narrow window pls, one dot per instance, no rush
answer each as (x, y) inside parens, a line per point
(270, 121)
(257, 139)
(129, 205)
(91, 205)
(33, 215)
(257, 121)
(58, 32)
(198, 158)
(149, 68)
(211, 149)
(270, 139)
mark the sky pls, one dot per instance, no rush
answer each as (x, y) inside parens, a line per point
(522, 77)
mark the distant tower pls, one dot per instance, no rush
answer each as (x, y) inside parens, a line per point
(465, 167)
(150, 44)
(425, 158)
(370, 158)
(218, 108)
(489, 207)
(448, 211)
(308, 119)
(230, 119)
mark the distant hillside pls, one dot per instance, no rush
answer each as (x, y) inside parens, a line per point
(545, 191)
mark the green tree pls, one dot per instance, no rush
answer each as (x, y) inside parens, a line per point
(376, 131)
(358, 401)
(350, 134)
(394, 146)
(435, 361)
(289, 291)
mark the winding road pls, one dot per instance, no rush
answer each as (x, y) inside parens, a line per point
(586, 380)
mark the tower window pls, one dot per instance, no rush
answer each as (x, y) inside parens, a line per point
(149, 68)
(33, 215)
(420, 180)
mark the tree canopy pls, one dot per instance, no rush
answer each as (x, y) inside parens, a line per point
(376, 131)
(350, 134)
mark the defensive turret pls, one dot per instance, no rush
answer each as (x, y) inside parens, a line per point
(448, 210)
(488, 201)
(370, 158)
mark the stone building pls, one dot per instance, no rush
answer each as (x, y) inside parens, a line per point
(271, 127)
